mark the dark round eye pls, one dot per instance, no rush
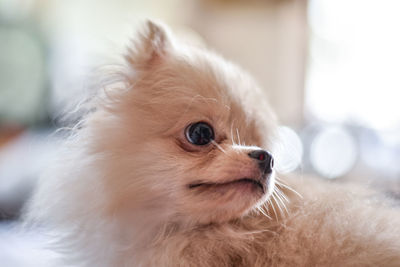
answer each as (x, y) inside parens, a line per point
(199, 133)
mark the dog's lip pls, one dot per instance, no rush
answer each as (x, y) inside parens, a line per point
(256, 182)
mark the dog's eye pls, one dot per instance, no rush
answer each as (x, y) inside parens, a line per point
(199, 133)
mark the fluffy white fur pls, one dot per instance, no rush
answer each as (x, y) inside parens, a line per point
(118, 194)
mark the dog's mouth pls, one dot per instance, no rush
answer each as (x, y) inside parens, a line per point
(243, 181)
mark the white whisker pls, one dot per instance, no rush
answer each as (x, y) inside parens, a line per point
(261, 209)
(281, 183)
(271, 202)
(218, 146)
(278, 191)
(277, 204)
(281, 202)
(233, 140)
(238, 136)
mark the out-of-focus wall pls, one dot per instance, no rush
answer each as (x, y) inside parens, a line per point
(268, 38)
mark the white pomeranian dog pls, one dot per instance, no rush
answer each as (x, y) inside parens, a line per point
(172, 168)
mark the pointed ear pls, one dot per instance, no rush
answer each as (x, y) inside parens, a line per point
(150, 45)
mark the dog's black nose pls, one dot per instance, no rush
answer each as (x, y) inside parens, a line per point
(264, 158)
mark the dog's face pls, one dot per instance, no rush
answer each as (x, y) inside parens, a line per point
(189, 139)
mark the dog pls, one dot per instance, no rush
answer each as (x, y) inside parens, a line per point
(172, 167)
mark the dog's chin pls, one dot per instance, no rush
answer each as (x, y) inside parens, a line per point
(242, 185)
(218, 202)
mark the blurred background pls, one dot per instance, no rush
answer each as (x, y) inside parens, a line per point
(331, 69)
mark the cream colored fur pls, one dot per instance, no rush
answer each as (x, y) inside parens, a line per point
(118, 194)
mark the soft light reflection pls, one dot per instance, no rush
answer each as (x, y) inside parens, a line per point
(333, 152)
(354, 63)
(287, 150)
(377, 152)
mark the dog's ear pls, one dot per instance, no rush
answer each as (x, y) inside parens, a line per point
(150, 45)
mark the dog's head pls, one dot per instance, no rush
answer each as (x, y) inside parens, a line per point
(188, 137)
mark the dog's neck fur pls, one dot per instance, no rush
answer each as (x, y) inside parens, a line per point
(170, 243)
